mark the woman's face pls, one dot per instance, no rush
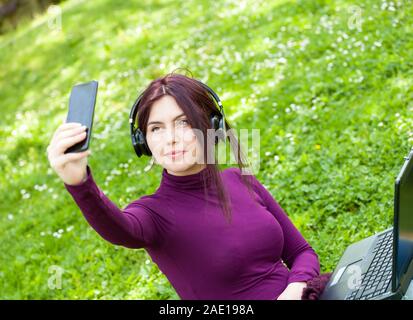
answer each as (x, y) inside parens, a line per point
(168, 130)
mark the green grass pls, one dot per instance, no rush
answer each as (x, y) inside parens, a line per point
(333, 104)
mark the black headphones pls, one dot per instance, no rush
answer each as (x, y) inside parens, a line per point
(138, 138)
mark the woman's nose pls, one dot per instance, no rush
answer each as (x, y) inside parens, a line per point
(171, 135)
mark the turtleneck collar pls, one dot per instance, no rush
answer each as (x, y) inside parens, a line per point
(191, 181)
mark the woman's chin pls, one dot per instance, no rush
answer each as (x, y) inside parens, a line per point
(179, 165)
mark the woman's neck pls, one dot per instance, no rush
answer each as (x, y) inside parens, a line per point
(192, 170)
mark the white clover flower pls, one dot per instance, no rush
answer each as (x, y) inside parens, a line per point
(115, 172)
(26, 195)
(282, 60)
(304, 43)
(41, 187)
(330, 66)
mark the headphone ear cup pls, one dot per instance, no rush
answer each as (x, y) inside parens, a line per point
(221, 127)
(135, 144)
(215, 125)
(140, 145)
(144, 146)
(214, 122)
(221, 123)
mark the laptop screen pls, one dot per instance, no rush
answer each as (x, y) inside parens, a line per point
(403, 221)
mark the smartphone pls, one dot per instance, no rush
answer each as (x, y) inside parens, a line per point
(81, 109)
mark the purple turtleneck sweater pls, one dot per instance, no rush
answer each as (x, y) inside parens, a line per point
(200, 252)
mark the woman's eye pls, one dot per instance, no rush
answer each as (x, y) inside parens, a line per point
(185, 122)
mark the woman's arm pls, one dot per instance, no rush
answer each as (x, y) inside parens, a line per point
(132, 227)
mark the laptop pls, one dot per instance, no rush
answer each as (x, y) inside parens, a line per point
(380, 267)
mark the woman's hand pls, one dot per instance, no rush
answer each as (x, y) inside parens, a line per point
(293, 291)
(70, 167)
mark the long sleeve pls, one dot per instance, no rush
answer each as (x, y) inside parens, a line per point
(298, 255)
(132, 227)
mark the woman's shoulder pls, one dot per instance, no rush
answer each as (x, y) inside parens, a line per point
(246, 179)
(233, 171)
(238, 172)
(243, 176)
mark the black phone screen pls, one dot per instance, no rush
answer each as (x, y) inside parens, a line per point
(81, 109)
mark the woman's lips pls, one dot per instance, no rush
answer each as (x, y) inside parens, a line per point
(175, 154)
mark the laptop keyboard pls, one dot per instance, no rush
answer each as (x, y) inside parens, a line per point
(375, 281)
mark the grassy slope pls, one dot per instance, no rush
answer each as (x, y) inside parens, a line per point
(333, 104)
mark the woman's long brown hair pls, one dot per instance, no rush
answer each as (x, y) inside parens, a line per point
(197, 104)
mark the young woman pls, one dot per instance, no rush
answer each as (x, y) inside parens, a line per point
(215, 234)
